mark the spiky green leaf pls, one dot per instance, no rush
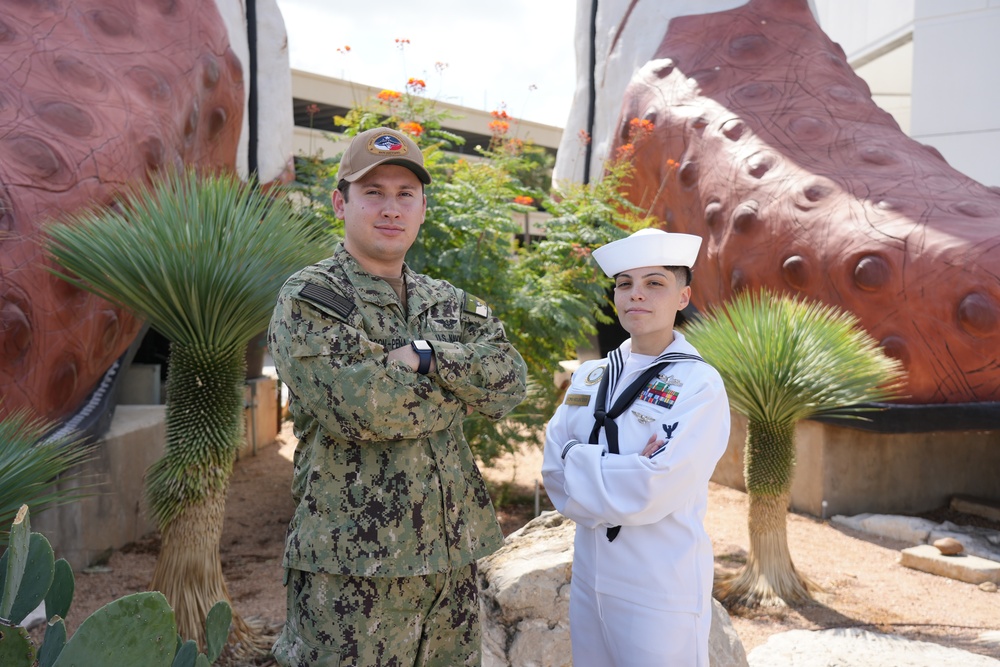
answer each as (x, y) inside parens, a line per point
(784, 359)
(201, 257)
(30, 465)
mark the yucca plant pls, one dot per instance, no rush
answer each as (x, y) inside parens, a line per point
(30, 464)
(784, 359)
(201, 257)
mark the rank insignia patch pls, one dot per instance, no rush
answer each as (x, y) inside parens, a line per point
(659, 393)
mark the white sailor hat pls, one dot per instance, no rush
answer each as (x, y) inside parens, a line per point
(648, 247)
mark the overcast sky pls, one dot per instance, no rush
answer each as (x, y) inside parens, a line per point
(519, 53)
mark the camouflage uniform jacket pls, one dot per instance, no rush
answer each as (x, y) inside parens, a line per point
(385, 483)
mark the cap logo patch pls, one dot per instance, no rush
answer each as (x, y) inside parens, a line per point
(386, 144)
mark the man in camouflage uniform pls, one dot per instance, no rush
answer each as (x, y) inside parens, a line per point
(382, 365)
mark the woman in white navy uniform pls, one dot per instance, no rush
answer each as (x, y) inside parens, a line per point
(628, 457)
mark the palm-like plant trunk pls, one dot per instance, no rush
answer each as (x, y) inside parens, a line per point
(201, 257)
(189, 573)
(187, 487)
(769, 577)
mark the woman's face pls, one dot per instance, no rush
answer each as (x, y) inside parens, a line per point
(647, 300)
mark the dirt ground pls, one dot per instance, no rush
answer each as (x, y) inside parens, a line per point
(865, 587)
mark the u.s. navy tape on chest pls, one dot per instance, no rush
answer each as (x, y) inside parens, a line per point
(326, 299)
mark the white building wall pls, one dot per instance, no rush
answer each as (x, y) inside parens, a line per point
(956, 71)
(863, 27)
(932, 64)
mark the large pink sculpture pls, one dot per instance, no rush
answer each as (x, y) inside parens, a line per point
(767, 144)
(94, 95)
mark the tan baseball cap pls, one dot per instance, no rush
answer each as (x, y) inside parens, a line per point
(377, 146)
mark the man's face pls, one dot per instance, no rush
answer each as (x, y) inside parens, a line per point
(382, 216)
(647, 300)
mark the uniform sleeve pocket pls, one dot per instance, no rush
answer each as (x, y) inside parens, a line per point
(311, 346)
(333, 342)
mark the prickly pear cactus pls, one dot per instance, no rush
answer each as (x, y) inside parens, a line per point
(55, 641)
(187, 654)
(14, 561)
(26, 567)
(217, 623)
(133, 631)
(36, 579)
(16, 649)
(60, 595)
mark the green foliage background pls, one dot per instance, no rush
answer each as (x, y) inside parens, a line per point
(549, 293)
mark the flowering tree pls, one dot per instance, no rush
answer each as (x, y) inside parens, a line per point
(549, 292)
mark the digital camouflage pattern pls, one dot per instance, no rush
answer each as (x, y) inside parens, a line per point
(384, 481)
(429, 621)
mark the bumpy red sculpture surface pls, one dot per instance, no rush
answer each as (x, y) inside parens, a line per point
(94, 95)
(770, 147)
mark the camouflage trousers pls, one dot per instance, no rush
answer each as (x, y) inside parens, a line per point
(345, 621)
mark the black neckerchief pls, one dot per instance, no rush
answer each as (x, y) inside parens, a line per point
(605, 418)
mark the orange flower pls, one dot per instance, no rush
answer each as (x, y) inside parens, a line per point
(625, 152)
(639, 128)
(580, 251)
(514, 146)
(401, 43)
(500, 115)
(416, 129)
(345, 50)
(389, 96)
(524, 200)
(416, 85)
(584, 137)
(312, 109)
(641, 124)
(499, 127)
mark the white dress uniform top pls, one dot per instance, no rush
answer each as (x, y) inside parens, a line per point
(660, 501)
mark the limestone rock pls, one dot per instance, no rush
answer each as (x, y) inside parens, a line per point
(853, 647)
(982, 542)
(909, 529)
(524, 597)
(963, 567)
(948, 546)
(724, 646)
